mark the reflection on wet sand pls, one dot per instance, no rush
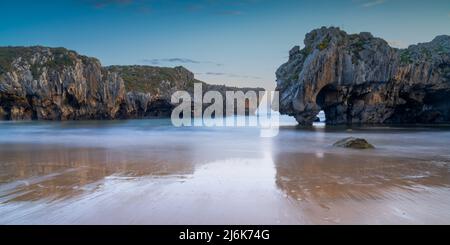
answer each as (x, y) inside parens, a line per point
(33, 172)
(332, 177)
(349, 189)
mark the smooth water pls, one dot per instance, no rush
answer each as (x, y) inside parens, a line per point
(148, 172)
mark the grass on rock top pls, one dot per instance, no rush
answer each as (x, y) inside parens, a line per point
(62, 58)
(147, 79)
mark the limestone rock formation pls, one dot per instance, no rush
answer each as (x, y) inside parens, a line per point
(56, 84)
(152, 88)
(40, 83)
(360, 79)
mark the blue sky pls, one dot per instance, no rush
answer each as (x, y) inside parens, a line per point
(233, 42)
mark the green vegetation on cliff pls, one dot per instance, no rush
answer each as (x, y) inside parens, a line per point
(150, 79)
(8, 54)
(61, 58)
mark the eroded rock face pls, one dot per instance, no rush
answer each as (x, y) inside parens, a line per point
(56, 84)
(152, 89)
(39, 83)
(361, 79)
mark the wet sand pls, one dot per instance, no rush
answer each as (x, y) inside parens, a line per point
(146, 172)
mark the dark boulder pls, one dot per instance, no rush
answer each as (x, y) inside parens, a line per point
(354, 143)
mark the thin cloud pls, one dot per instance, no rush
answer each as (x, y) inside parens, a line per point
(373, 3)
(178, 60)
(231, 12)
(195, 7)
(223, 7)
(107, 3)
(232, 75)
(215, 73)
(141, 6)
(217, 7)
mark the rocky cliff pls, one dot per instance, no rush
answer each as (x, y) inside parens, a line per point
(40, 83)
(360, 79)
(56, 84)
(150, 88)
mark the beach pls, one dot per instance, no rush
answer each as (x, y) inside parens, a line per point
(149, 172)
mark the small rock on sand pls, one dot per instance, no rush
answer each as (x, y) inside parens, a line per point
(354, 143)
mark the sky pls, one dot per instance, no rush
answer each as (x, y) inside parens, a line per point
(232, 42)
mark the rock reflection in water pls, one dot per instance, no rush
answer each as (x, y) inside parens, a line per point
(352, 189)
(33, 172)
(332, 177)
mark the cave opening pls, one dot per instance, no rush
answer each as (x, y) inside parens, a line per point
(327, 99)
(321, 117)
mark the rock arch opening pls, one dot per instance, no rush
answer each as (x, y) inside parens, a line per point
(329, 101)
(321, 117)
